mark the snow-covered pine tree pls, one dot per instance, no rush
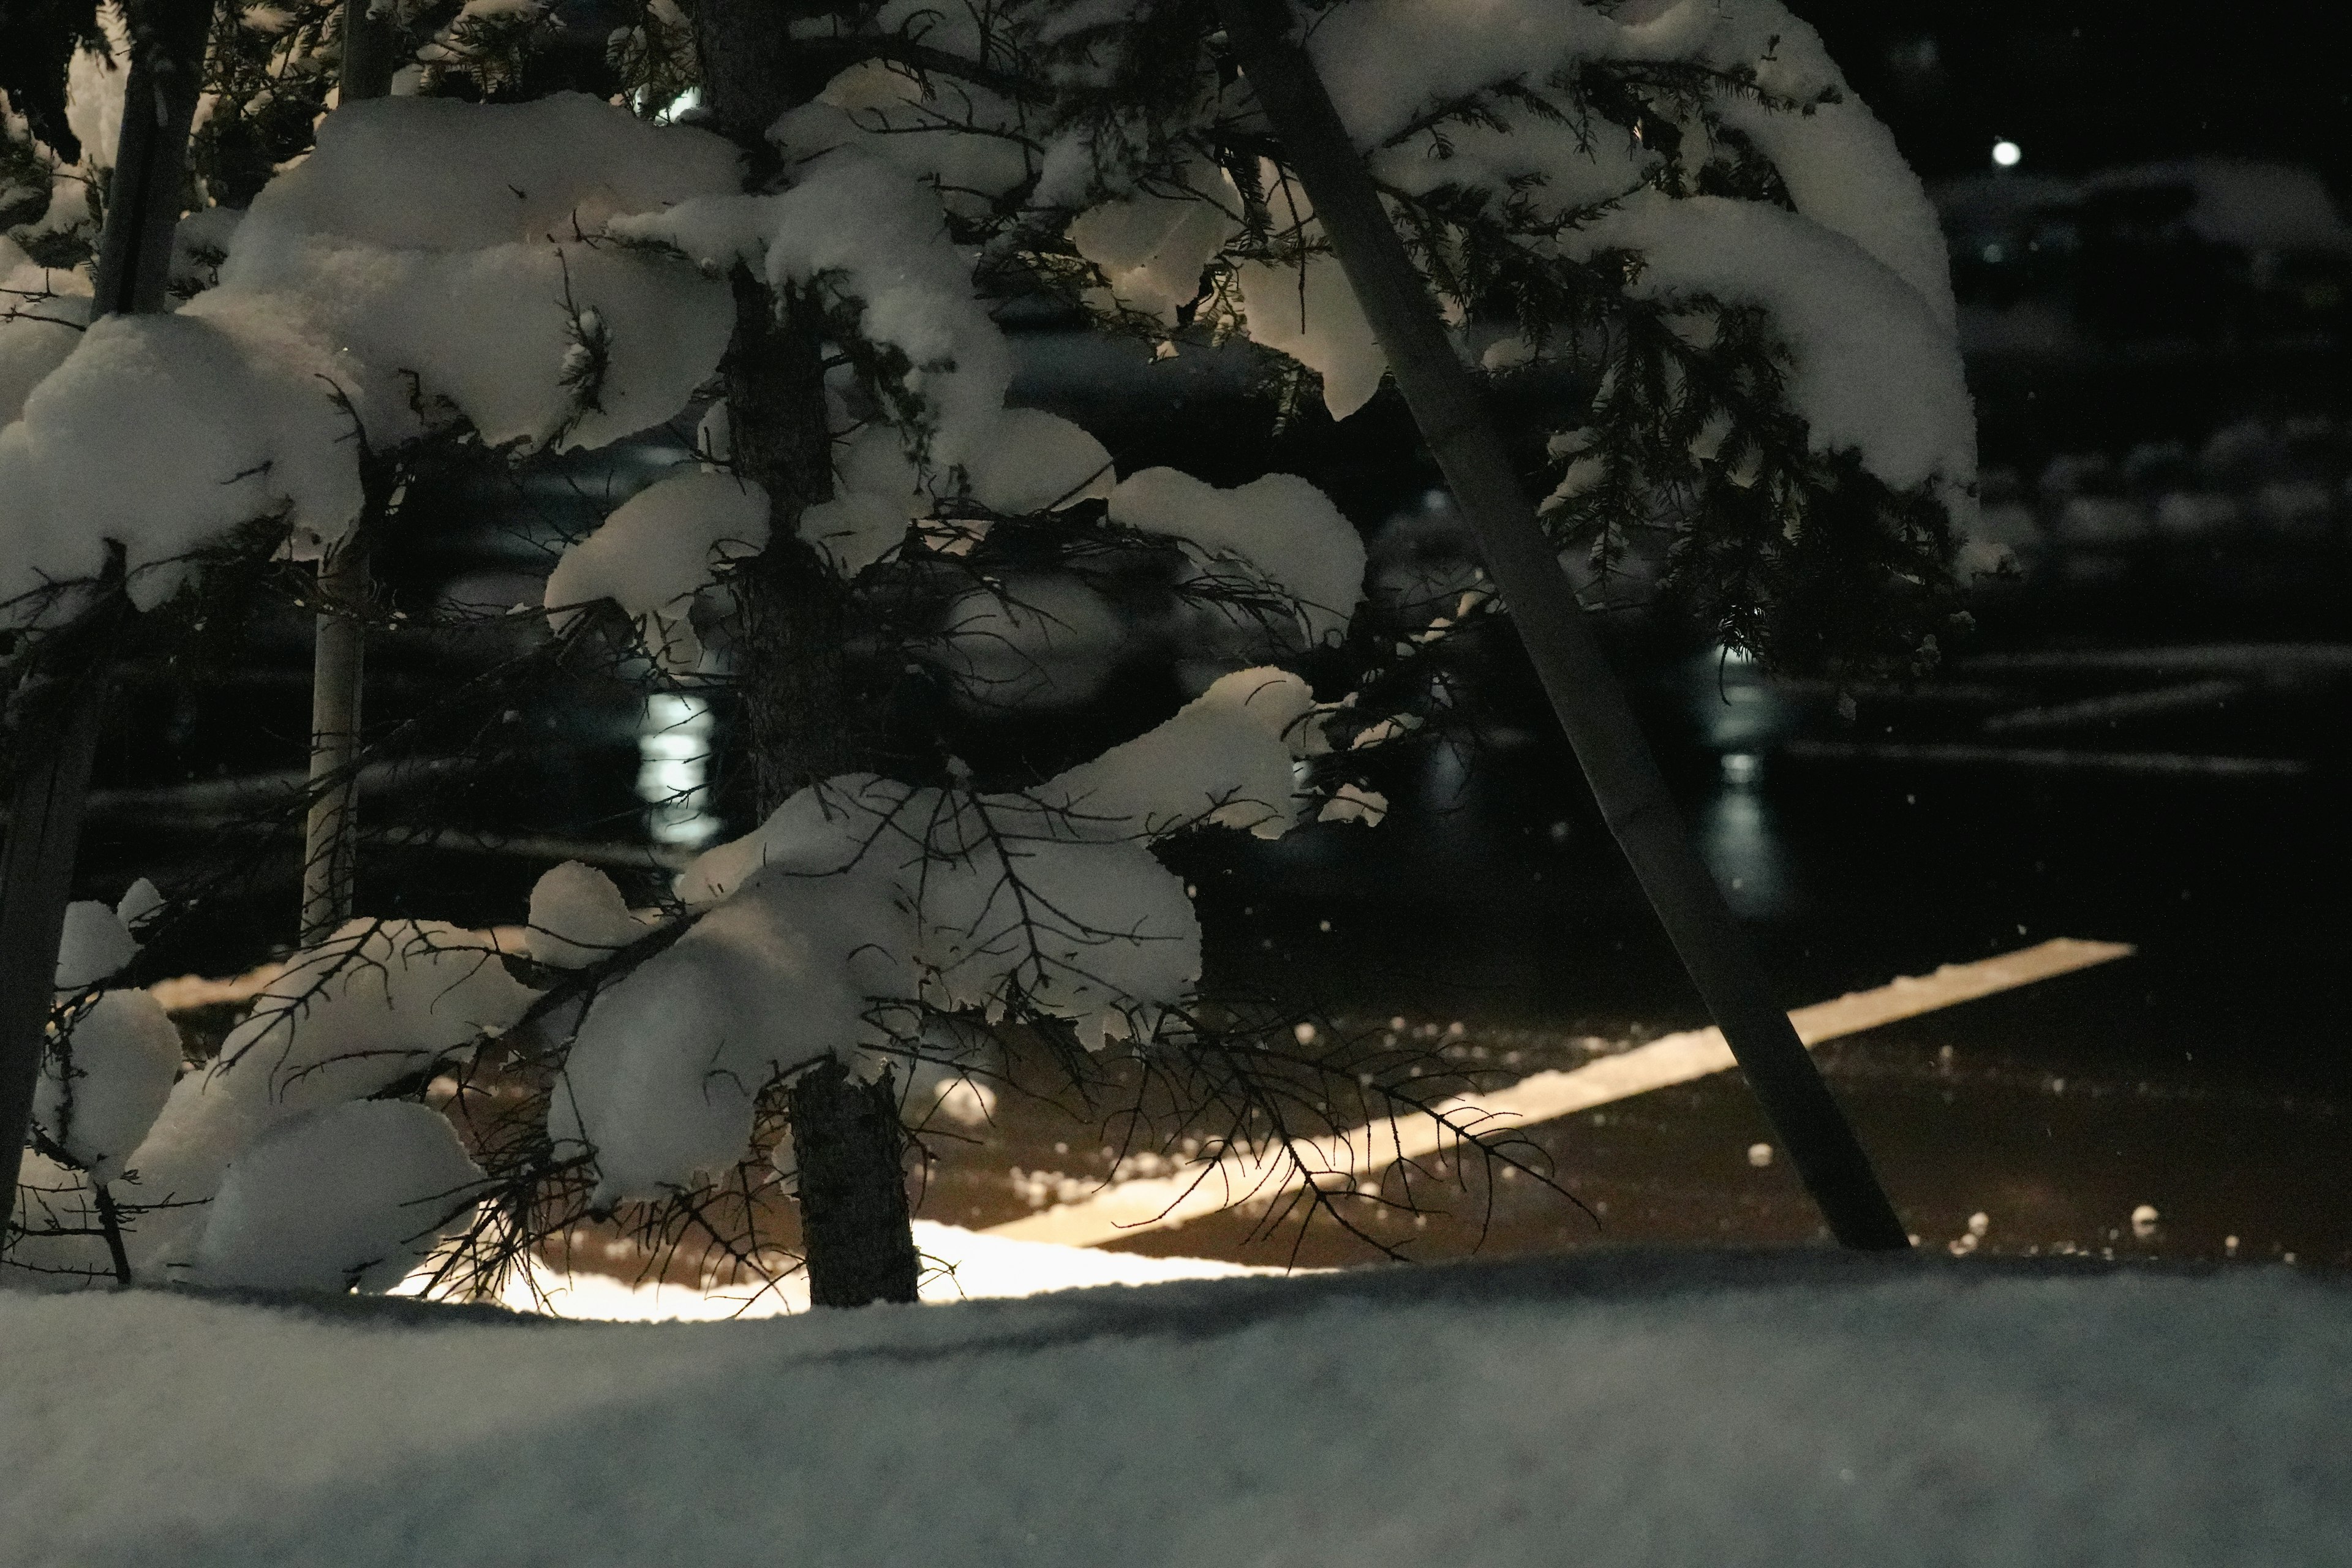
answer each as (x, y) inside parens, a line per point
(1678, 199)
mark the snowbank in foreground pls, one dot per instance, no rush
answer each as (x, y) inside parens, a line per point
(1640, 1408)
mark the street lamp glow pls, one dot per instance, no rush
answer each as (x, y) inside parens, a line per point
(2005, 154)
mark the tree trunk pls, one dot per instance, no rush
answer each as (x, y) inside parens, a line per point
(338, 652)
(851, 1154)
(35, 884)
(790, 661)
(1584, 693)
(331, 833)
(135, 264)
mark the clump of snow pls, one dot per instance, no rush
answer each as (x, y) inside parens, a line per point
(579, 918)
(870, 238)
(106, 1077)
(860, 898)
(461, 243)
(42, 312)
(347, 1197)
(655, 552)
(377, 1001)
(158, 433)
(1150, 249)
(97, 942)
(1280, 525)
(1225, 758)
(1309, 312)
(1871, 368)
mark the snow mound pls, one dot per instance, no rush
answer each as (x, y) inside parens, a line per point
(1640, 1409)
(353, 1196)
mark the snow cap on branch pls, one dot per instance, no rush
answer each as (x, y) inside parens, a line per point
(1280, 525)
(349, 1197)
(655, 552)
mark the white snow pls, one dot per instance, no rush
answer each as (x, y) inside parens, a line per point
(105, 1080)
(96, 943)
(1871, 368)
(655, 552)
(859, 898)
(354, 1194)
(1309, 312)
(1151, 247)
(430, 259)
(579, 918)
(1279, 524)
(1627, 1409)
(41, 312)
(375, 1003)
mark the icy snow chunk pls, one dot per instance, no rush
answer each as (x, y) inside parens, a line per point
(578, 918)
(96, 944)
(96, 82)
(1280, 525)
(1354, 802)
(656, 552)
(1840, 163)
(1873, 370)
(105, 1077)
(349, 1197)
(1097, 932)
(375, 1002)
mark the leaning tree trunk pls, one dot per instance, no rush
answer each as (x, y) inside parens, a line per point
(1584, 693)
(800, 720)
(338, 652)
(134, 261)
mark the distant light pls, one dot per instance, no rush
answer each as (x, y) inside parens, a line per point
(1742, 767)
(2005, 154)
(1994, 254)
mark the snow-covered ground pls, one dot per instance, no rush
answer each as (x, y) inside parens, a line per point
(1653, 1408)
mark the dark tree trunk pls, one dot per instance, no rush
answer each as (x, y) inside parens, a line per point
(1583, 690)
(134, 261)
(851, 1152)
(791, 666)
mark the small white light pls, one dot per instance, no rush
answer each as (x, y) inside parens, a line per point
(2005, 154)
(1742, 767)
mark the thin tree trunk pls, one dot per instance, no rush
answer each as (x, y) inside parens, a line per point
(1584, 693)
(331, 833)
(851, 1148)
(35, 884)
(135, 264)
(789, 667)
(338, 652)
(369, 54)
